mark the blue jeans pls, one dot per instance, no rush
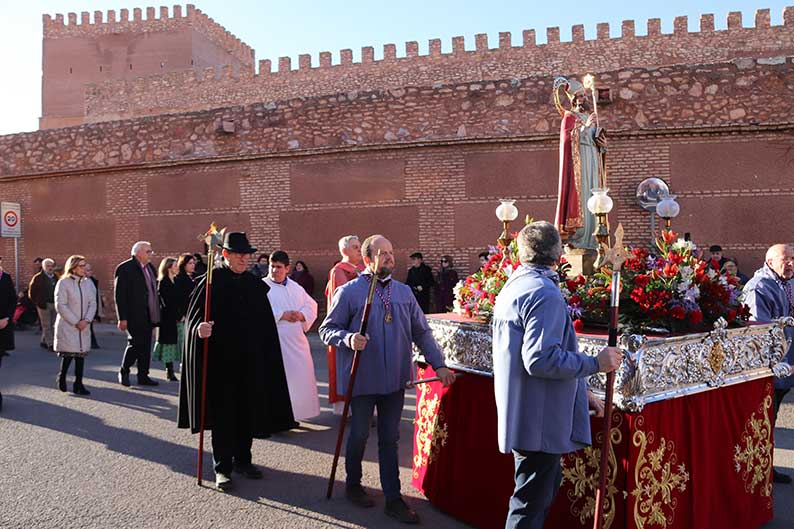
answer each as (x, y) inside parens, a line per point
(537, 478)
(390, 409)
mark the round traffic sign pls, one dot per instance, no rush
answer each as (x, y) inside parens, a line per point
(11, 219)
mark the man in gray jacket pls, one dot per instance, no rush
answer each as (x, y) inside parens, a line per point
(539, 376)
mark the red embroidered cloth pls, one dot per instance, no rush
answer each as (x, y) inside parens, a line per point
(696, 462)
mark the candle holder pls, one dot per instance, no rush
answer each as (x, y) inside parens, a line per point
(600, 204)
(507, 212)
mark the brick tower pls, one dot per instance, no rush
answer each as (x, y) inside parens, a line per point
(76, 54)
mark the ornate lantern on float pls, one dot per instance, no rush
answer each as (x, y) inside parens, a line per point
(668, 208)
(507, 212)
(600, 204)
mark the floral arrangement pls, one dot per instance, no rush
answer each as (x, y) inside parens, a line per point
(674, 291)
(475, 295)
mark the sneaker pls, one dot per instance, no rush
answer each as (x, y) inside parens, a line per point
(358, 496)
(248, 471)
(779, 477)
(223, 482)
(400, 511)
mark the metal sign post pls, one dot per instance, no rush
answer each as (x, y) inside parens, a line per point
(11, 226)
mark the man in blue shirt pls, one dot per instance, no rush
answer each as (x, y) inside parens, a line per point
(395, 323)
(539, 376)
(769, 295)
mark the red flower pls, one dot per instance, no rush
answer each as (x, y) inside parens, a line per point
(571, 284)
(695, 317)
(669, 236)
(731, 315)
(641, 280)
(581, 279)
(678, 312)
(578, 325)
(670, 270)
(715, 264)
(575, 299)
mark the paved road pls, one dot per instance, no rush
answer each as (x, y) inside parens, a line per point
(115, 459)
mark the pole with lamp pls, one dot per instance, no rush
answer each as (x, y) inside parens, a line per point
(600, 204)
(668, 209)
(507, 212)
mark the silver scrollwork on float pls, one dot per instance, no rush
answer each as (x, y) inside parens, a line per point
(654, 368)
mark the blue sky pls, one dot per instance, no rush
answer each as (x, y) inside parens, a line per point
(276, 29)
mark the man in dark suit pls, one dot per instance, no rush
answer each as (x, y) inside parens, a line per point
(420, 279)
(138, 311)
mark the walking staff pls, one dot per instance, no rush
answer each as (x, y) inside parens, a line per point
(349, 392)
(616, 255)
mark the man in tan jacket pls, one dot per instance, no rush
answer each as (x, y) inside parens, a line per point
(41, 292)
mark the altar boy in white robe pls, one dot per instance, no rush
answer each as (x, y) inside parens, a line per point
(295, 312)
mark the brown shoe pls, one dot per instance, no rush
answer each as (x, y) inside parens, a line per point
(400, 511)
(358, 496)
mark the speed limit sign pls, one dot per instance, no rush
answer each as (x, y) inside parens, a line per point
(11, 219)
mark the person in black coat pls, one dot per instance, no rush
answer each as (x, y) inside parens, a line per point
(166, 349)
(8, 304)
(138, 311)
(445, 286)
(247, 395)
(420, 279)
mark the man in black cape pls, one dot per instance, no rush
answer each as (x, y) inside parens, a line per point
(247, 395)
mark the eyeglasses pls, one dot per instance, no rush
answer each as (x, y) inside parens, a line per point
(444, 261)
(150, 252)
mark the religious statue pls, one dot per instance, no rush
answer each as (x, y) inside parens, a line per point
(582, 169)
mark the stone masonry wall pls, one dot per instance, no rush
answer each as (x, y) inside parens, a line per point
(746, 92)
(197, 90)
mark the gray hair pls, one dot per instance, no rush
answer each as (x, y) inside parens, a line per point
(345, 241)
(137, 246)
(47, 261)
(539, 243)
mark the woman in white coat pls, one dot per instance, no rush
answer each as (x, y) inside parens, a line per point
(75, 303)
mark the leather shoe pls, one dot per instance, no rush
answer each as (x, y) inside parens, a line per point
(61, 380)
(400, 511)
(248, 471)
(124, 378)
(356, 495)
(146, 381)
(223, 482)
(79, 389)
(779, 477)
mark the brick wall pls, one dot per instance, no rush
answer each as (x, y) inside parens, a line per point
(197, 90)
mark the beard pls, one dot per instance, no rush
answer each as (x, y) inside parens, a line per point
(384, 271)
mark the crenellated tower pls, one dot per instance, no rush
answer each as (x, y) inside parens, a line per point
(78, 53)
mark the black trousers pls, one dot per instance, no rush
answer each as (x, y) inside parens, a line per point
(231, 432)
(139, 350)
(537, 480)
(780, 394)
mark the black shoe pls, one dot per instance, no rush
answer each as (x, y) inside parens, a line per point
(248, 471)
(171, 376)
(779, 477)
(146, 381)
(295, 424)
(79, 389)
(400, 511)
(4, 353)
(43, 345)
(124, 378)
(61, 380)
(356, 495)
(223, 482)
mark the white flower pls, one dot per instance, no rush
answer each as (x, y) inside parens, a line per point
(711, 273)
(682, 245)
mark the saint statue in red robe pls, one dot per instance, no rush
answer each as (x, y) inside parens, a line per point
(582, 147)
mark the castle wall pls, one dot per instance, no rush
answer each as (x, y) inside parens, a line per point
(75, 54)
(646, 48)
(423, 165)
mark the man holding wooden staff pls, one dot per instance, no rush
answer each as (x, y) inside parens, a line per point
(246, 394)
(395, 323)
(539, 376)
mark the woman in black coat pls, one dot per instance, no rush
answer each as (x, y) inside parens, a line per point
(8, 303)
(166, 349)
(445, 285)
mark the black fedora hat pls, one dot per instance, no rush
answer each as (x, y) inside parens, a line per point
(237, 242)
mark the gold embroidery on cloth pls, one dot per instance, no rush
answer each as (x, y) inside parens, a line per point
(755, 454)
(581, 469)
(576, 161)
(431, 431)
(656, 477)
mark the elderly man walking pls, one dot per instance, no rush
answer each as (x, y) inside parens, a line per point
(769, 295)
(41, 292)
(138, 311)
(539, 376)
